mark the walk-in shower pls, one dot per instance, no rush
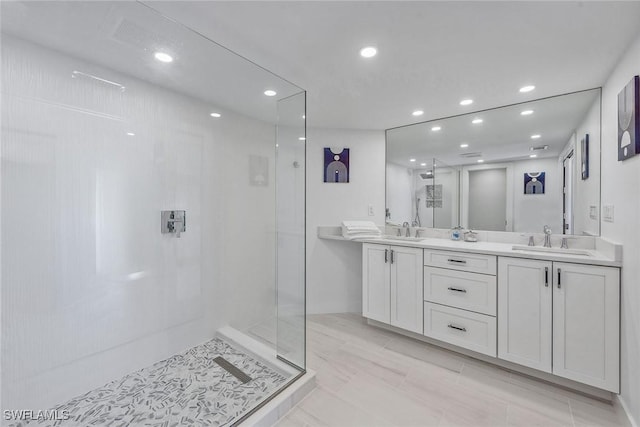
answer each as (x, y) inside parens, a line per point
(152, 221)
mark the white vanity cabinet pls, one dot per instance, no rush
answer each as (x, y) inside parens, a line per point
(524, 312)
(561, 318)
(392, 285)
(460, 299)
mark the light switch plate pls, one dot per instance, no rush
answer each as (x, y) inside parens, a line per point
(371, 210)
(607, 213)
(593, 212)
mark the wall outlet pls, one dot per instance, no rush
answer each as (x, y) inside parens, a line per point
(593, 212)
(607, 213)
(371, 210)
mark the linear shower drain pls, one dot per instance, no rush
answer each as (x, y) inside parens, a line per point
(229, 367)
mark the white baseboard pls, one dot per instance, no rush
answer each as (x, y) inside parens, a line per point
(627, 411)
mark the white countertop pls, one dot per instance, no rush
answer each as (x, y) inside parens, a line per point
(608, 255)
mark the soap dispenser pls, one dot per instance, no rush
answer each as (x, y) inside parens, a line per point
(456, 233)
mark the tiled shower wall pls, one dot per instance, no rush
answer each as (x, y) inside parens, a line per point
(90, 288)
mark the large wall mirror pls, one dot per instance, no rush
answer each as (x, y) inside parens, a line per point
(515, 168)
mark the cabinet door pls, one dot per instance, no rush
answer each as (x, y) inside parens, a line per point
(586, 324)
(406, 288)
(376, 289)
(524, 312)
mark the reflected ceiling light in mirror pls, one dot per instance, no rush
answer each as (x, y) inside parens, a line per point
(536, 136)
(476, 121)
(466, 102)
(216, 115)
(412, 160)
(533, 156)
(480, 161)
(270, 92)
(304, 116)
(302, 138)
(464, 145)
(436, 128)
(528, 88)
(526, 113)
(423, 164)
(163, 57)
(131, 134)
(368, 52)
(418, 113)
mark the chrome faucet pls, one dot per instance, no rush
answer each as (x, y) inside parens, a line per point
(547, 236)
(406, 225)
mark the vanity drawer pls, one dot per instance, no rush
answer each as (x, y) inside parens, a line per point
(476, 263)
(459, 289)
(463, 328)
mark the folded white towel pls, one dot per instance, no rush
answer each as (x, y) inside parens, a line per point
(360, 230)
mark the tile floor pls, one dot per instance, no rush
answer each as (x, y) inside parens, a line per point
(188, 389)
(371, 377)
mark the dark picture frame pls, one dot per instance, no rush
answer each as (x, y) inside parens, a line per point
(629, 120)
(336, 165)
(584, 157)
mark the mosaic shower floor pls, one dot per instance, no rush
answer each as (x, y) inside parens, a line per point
(188, 389)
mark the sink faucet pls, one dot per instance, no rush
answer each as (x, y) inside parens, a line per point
(547, 236)
(406, 225)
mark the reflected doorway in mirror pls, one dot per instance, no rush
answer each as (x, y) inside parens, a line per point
(336, 164)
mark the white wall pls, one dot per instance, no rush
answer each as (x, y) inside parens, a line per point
(587, 193)
(620, 184)
(334, 268)
(91, 290)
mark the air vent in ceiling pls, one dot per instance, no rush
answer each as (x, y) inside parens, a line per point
(471, 155)
(540, 148)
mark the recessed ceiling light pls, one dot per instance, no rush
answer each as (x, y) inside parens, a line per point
(464, 145)
(270, 92)
(480, 161)
(368, 52)
(466, 102)
(429, 173)
(536, 136)
(526, 112)
(436, 128)
(131, 134)
(216, 115)
(412, 160)
(477, 121)
(533, 156)
(418, 113)
(304, 116)
(423, 164)
(302, 138)
(525, 89)
(163, 57)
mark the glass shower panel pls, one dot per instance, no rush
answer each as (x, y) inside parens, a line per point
(290, 204)
(99, 136)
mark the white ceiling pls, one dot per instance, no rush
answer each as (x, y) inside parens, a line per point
(431, 54)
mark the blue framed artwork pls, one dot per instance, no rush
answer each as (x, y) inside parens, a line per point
(534, 183)
(584, 156)
(336, 165)
(629, 120)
